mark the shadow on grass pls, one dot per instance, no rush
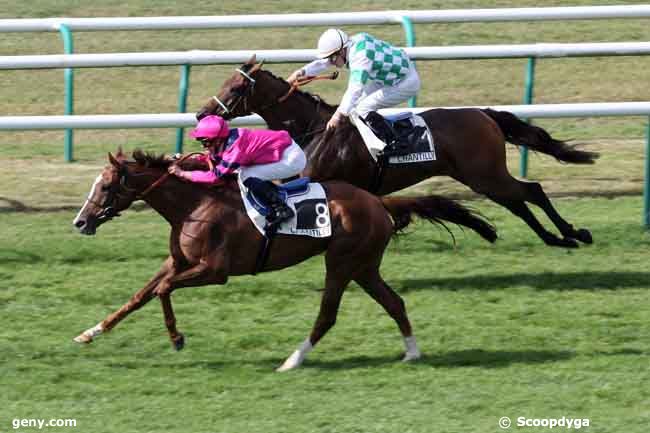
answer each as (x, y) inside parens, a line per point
(541, 281)
(9, 205)
(463, 358)
(14, 256)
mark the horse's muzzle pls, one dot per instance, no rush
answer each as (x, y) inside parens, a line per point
(201, 114)
(86, 227)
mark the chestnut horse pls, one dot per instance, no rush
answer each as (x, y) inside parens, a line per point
(212, 238)
(470, 147)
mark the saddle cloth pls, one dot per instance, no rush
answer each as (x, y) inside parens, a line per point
(308, 201)
(421, 148)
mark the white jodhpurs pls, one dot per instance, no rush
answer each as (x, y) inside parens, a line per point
(376, 96)
(292, 163)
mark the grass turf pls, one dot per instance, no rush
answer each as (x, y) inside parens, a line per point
(514, 329)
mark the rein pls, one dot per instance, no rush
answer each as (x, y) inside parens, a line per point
(293, 87)
(162, 178)
(306, 80)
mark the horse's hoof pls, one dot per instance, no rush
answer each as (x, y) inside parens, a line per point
(283, 368)
(584, 236)
(562, 242)
(179, 342)
(83, 339)
(411, 356)
(292, 362)
(569, 243)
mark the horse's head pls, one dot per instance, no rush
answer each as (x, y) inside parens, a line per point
(233, 99)
(108, 196)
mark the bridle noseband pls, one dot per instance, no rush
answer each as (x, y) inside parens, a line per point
(108, 211)
(116, 189)
(241, 96)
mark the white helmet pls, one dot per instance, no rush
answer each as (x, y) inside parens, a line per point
(330, 42)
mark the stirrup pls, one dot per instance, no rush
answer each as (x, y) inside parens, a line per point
(277, 215)
(395, 149)
(283, 212)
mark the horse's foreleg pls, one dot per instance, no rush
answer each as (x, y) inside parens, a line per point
(199, 275)
(329, 308)
(177, 338)
(140, 298)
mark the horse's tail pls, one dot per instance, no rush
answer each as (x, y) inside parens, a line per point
(436, 209)
(521, 133)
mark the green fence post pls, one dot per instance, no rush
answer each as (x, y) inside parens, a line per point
(182, 103)
(409, 31)
(528, 99)
(68, 75)
(646, 188)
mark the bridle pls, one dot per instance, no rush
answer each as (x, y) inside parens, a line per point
(115, 190)
(243, 94)
(120, 188)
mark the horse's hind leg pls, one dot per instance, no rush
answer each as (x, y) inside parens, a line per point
(329, 307)
(512, 194)
(381, 292)
(538, 197)
(520, 209)
(140, 298)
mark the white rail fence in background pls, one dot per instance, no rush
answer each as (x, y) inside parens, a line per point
(180, 120)
(204, 57)
(404, 17)
(325, 19)
(177, 120)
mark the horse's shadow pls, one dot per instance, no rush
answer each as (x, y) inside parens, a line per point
(454, 359)
(16, 257)
(541, 281)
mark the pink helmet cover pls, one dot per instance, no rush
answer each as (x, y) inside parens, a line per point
(211, 127)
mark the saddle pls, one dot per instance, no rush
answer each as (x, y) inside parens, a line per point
(285, 190)
(398, 132)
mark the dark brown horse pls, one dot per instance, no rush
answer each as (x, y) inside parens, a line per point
(212, 238)
(470, 147)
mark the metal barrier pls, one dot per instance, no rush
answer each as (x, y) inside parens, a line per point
(198, 57)
(404, 17)
(187, 119)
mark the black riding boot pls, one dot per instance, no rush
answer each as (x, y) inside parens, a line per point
(267, 192)
(380, 127)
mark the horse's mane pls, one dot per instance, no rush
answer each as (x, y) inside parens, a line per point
(150, 160)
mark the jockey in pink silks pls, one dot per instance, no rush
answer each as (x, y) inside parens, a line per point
(260, 155)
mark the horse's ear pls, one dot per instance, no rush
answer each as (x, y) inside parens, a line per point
(112, 160)
(252, 60)
(256, 67)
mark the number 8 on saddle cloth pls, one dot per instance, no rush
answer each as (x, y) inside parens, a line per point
(307, 199)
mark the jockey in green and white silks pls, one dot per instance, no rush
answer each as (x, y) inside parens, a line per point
(381, 75)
